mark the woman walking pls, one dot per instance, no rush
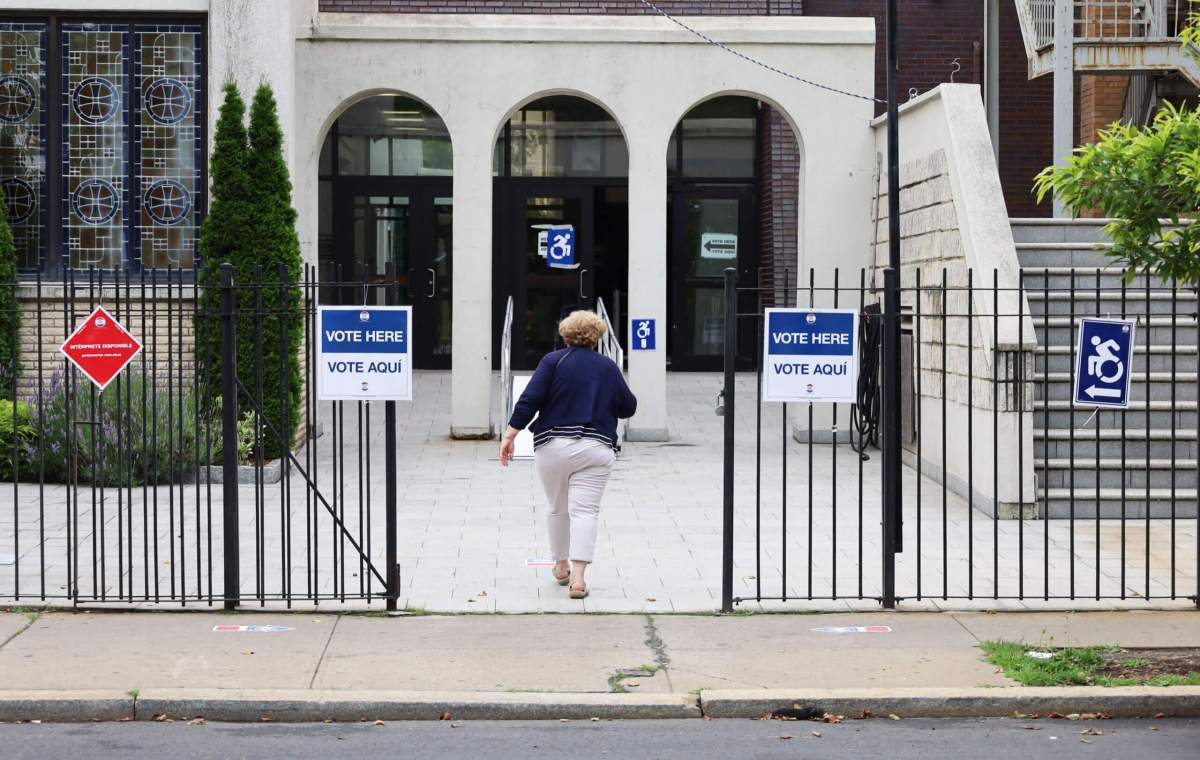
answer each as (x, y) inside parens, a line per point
(577, 395)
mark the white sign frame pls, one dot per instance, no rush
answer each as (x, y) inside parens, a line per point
(847, 391)
(349, 387)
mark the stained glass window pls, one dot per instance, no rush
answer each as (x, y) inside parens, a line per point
(168, 144)
(22, 136)
(95, 137)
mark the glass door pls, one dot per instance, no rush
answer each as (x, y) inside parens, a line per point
(544, 294)
(713, 230)
(406, 226)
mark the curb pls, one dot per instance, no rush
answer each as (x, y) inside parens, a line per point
(302, 705)
(1000, 702)
(287, 706)
(65, 706)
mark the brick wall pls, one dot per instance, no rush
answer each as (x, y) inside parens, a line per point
(1101, 102)
(614, 7)
(1026, 121)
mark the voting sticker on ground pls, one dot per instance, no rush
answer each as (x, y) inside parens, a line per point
(810, 355)
(250, 629)
(1104, 364)
(854, 629)
(364, 353)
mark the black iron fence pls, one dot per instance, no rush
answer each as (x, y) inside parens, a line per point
(1010, 489)
(185, 479)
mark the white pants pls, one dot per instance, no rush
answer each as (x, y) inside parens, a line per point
(573, 473)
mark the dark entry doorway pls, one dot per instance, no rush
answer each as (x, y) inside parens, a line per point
(405, 224)
(385, 205)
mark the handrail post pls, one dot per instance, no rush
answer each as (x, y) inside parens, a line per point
(229, 438)
(728, 393)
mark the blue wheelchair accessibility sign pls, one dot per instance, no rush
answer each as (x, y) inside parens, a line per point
(560, 246)
(1105, 362)
(643, 335)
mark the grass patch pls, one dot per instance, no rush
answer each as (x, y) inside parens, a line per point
(1103, 665)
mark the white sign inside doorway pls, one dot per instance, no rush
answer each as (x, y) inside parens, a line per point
(718, 245)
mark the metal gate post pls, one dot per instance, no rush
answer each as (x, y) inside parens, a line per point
(229, 441)
(892, 494)
(728, 397)
(389, 454)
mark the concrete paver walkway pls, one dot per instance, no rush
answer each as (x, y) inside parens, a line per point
(467, 529)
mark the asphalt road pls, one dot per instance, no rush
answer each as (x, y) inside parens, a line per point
(628, 740)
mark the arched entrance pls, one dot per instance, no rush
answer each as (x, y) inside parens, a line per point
(715, 197)
(560, 162)
(386, 205)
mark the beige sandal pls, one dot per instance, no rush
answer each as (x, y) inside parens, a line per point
(562, 579)
(581, 593)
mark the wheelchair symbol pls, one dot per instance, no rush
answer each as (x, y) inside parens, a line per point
(1105, 354)
(560, 249)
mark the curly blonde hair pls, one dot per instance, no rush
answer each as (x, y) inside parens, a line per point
(582, 328)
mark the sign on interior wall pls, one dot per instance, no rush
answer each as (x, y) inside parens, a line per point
(718, 245)
(556, 244)
(364, 353)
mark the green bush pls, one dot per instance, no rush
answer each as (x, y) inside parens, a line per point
(10, 310)
(134, 442)
(17, 436)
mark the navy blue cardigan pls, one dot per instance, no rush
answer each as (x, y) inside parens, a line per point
(574, 391)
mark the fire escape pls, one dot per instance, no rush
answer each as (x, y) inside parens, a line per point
(1135, 38)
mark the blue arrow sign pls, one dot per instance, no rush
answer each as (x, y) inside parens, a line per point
(1104, 363)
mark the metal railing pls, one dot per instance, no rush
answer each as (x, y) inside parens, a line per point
(1141, 97)
(1106, 20)
(506, 372)
(610, 344)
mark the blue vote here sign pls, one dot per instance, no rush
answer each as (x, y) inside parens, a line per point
(1104, 364)
(810, 355)
(364, 353)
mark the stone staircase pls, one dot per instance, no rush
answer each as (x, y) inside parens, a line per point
(1125, 462)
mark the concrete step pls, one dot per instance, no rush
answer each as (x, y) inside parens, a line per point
(1155, 361)
(1183, 378)
(1129, 463)
(1084, 475)
(1134, 406)
(1087, 419)
(1184, 332)
(1084, 449)
(1143, 322)
(1058, 505)
(1038, 230)
(1130, 434)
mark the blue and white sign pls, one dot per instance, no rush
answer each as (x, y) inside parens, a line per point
(364, 353)
(643, 335)
(810, 355)
(560, 246)
(1105, 363)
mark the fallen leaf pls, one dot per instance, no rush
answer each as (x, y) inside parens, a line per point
(379, 723)
(1073, 716)
(787, 736)
(160, 718)
(248, 651)
(483, 593)
(1160, 715)
(456, 724)
(1086, 741)
(1032, 728)
(651, 599)
(1089, 716)
(633, 683)
(470, 601)
(1154, 728)
(816, 734)
(1053, 714)
(265, 719)
(893, 716)
(864, 715)
(196, 722)
(831, 718)
(446, 715)
(36, 722)
(708, 717)
(595, 720)
(564, 720)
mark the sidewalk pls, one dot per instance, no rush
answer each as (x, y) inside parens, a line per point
(80, 665)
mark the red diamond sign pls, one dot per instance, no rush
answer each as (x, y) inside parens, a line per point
(101, 347)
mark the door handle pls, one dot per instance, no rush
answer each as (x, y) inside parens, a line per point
(582, 296)
(432, 282)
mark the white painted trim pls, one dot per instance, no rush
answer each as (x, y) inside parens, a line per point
(762, 30)
(107, 6)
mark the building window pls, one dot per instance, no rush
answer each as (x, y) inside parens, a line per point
(561, 136)
(23, 136)
(124, 146)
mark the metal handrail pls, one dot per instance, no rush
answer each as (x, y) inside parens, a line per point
(506, 372)
(610, 344)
